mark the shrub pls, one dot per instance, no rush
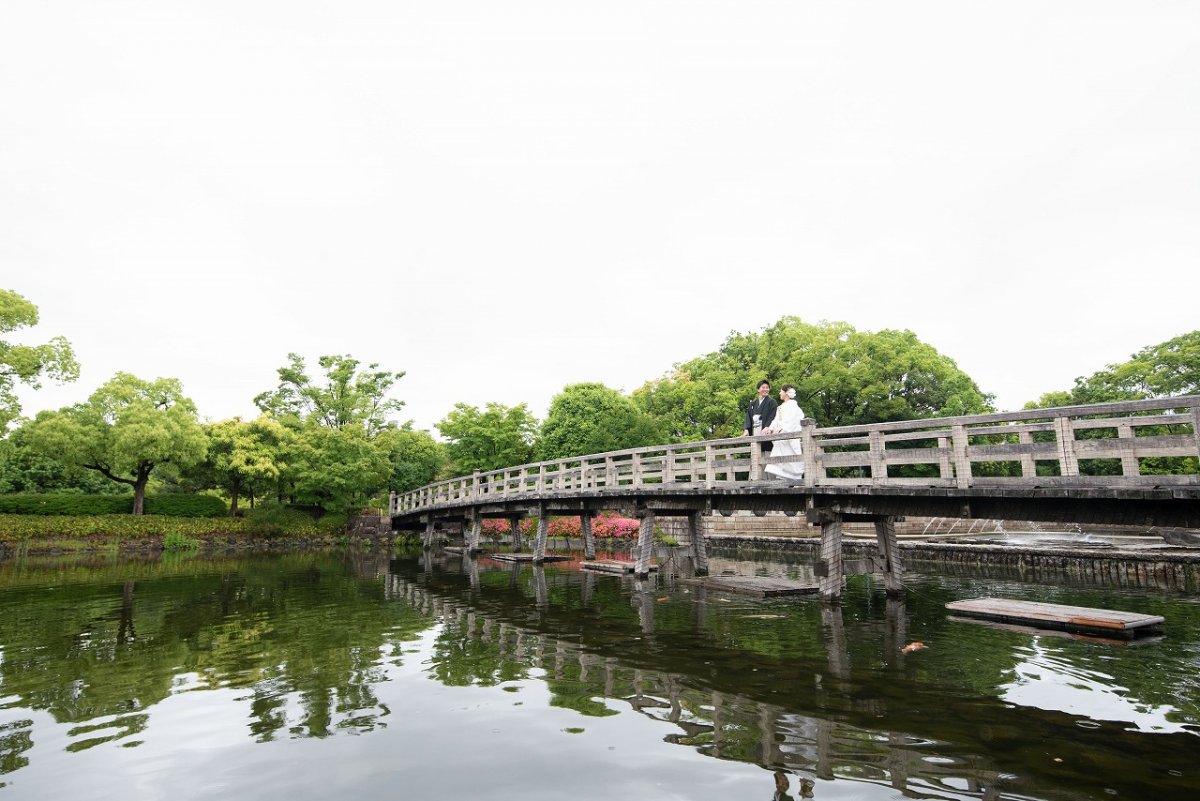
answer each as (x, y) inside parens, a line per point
(186, 506)
(604, 526)
(76, 505)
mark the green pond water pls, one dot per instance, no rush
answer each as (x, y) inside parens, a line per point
(406, 676)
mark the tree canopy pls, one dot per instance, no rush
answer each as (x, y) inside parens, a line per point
(592, 418)
(490, 438)
(246, 454)
(1156, 371)
(842, 377)
(27, 364)
(346, 397)
(126, 429)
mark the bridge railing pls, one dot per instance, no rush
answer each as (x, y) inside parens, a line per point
(1094, 445)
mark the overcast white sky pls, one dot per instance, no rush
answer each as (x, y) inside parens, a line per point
(502, 198)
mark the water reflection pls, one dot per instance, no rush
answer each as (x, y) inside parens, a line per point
(426, 654)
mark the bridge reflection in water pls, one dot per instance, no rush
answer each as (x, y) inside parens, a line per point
(834, 698)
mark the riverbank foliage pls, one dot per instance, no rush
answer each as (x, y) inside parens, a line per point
(116, 528)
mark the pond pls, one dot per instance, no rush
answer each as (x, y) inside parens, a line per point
(374, 675)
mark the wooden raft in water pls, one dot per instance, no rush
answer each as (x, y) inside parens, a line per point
(526, 557)
(1108, 622)
(613, 566)
(761, 586)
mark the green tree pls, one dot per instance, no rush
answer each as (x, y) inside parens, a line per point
(126, 429)
(488, 439)
(27, 364)
(337, 469)
(25, 469)
(1157, 371)
(842, 377)
(592, 418)
(346, 397)
(245, 455)
(416, 458)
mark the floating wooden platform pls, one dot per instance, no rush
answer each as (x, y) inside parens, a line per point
(1088, 620)
(527, 557)
(613, 566)
(461, 549)
(760, 586)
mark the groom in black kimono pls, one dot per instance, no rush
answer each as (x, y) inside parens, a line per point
(763, 407)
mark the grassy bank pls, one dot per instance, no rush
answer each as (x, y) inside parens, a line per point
(41, 534)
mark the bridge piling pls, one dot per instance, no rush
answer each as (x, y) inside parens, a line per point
(885, 535)
(589, 540)
(429, 529)
(645, 543)
(543, 531)
(829, 567)
(699, 549)
(514, 525)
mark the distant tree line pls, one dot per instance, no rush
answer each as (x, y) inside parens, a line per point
(329, 440)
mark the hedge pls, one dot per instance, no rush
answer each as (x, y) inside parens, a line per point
(87, 505)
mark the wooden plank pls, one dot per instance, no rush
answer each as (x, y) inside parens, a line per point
(613, 566)
(760, 586)
(1058, 616)
(1043, 632)
(526, 557)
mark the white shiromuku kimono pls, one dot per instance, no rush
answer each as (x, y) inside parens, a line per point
(787, 420)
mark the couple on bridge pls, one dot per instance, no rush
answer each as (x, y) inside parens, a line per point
(765, 416)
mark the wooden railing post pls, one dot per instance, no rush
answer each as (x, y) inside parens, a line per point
(962, 462)
(636, 471)
(668, 466)
(808, 451)
(1129, 460)
(710, 466)
(756, 461)
(878, 457)
(476, 489)
(1064, 433)
(1028, 466)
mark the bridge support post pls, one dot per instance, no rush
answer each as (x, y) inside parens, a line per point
(829, 567)
(429, 530)
(543, 531)
(645, 543)
(473, 531)
(699, 548)
(514, 524)
(885, 535)
(589, 539)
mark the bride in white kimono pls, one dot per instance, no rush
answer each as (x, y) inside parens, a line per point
(787, 419)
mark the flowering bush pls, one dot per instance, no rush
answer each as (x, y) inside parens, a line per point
(604, 526)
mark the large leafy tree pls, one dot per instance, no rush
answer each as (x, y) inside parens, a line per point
(126, 429)
(593, 418)
(27, 364)
(346, 397)
(490, 438)
(1156, 371)
(842, 377)
(338, 469)
(25, 469)
(339, 455)
(245, 455)
(416, 458)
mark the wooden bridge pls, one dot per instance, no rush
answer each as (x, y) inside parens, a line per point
(1130, 463)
